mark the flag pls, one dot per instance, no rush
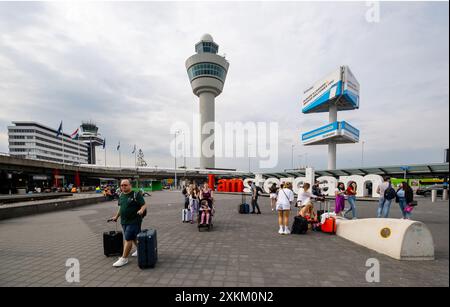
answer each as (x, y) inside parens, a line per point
(74, 135)
(134, 149)
(118, 146)
(59, 132)
(104, 143)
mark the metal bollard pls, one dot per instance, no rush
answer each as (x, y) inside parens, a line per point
(433, 196)
(445, 194)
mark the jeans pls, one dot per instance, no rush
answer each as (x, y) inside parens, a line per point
(255, 205)
(402, 203)
(352, 201)
(384, 205)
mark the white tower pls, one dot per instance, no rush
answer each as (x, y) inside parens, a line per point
(207, 72)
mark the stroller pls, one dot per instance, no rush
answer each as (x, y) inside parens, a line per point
(209, 224)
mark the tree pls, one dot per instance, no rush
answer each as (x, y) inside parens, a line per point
(140, 157)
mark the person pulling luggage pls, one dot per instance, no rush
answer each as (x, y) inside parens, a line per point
(132, 208)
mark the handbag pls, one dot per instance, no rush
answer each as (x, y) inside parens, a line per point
(409, 209)
(413, 203)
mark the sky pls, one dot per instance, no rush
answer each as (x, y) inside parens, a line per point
(121, 65)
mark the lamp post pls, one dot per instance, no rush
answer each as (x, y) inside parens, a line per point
(405, 170)
(292, 156)
(176, 182)
(362, 154)
(184, 154)
(248, 154)
(300, 161)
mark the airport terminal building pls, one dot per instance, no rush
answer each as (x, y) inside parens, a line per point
(35, 141)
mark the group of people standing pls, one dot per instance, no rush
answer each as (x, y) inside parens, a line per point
(199, 201)
(342, 194)
(404, 196)
(282, 198)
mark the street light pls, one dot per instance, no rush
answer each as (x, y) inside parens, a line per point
(248, 154)
(176, 133)
(362, 154)
(184, 147)
(292, 156)
(299, 161)
(405, 170)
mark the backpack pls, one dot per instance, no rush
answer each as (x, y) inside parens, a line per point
(390, 193)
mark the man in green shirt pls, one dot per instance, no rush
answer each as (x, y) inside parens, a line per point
(132, 208)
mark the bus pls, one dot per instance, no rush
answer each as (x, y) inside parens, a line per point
(416, 183)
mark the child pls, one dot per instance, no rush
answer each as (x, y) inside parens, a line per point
(193, 201)
(205, 210)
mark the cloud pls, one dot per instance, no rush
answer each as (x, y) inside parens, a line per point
(122, 66)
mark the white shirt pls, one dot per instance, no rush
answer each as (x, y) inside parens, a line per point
(383, 187)
(305, 197)
(339, 191)
(285, 197)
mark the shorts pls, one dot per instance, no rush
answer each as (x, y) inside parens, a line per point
(273, 195)
(131, 231)
(281, 207)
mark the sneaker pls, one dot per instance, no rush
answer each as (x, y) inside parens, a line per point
(120, 262)
(134, 254)
(273, 209)
(281, 231)
(287, 231)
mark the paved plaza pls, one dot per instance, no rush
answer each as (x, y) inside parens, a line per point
(241, 250)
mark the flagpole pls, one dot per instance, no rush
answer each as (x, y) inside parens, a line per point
(105, 155)
(62, 140)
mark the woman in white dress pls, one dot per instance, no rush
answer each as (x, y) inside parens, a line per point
(285, 198)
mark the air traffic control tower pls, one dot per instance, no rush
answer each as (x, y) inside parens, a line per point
(339, 91)
(207, 72)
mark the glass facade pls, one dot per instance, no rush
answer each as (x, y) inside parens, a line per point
(206, 47)
(207, 69)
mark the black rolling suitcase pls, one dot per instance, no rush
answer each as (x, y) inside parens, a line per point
(113, 243)
(300, 225)
(243, 208)
(147, 248)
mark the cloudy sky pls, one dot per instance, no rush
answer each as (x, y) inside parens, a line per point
(122, 66)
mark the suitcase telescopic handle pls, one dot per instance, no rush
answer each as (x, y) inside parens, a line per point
(111, 220)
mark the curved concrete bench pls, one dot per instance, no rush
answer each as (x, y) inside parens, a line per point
(399, 239)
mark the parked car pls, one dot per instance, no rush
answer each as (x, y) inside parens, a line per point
(426, 190)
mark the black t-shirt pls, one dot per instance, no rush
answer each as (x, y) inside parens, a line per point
(255, 191)
(316, 191)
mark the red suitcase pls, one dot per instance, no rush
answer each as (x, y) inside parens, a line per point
(329, 226)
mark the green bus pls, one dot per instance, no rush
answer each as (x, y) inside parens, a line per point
(416, 183)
